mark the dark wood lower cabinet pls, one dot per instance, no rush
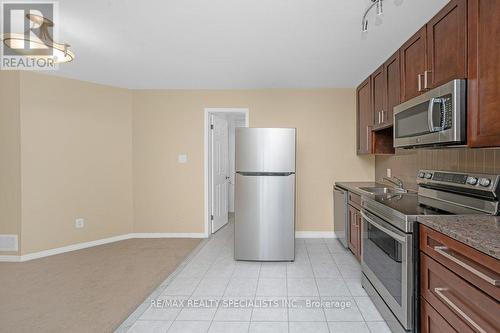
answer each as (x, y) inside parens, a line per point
(355, 231)
(453, 254)
(431, 321)
(453, 299)
(456, 300)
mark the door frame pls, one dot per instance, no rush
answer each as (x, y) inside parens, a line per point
(207, 138)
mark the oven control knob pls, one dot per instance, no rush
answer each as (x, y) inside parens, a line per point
(472, 180)
(485, 182)
(428, 175)
(421, 174)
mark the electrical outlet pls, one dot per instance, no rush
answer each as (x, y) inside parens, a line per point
(182, 158)
(389, 173)
(79, 223)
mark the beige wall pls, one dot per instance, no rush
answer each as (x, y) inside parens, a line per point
(10, 173)
(169, 197)
(74, 149)
(76, 153)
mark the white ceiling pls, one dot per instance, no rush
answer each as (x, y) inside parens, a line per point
(236, 44)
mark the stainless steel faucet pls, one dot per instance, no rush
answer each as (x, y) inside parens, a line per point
(395, 181)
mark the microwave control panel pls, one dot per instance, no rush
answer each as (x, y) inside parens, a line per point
(447, 112)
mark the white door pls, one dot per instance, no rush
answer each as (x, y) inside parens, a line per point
(220, 172)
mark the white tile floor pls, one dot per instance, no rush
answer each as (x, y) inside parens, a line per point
(323, 271)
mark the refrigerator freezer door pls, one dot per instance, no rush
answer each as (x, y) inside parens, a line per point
(265, 218)
(265, 149)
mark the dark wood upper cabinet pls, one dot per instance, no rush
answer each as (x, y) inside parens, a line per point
(462, 41)
(447, 45)
(364, 117)
(392, 78)
(378, 96)
(484, 73)
(413, 65)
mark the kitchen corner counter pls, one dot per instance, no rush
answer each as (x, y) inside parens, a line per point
(479, 232)
(354, 186)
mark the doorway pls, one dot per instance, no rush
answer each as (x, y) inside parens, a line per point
(220, 125)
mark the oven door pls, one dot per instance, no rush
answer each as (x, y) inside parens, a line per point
(387, 261)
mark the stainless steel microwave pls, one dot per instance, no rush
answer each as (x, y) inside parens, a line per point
(436, 118)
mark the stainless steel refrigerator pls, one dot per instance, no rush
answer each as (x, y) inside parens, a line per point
(265, 194)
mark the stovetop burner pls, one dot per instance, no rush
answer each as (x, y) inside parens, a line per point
(408, 204)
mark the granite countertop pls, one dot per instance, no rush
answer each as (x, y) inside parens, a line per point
(480, 232)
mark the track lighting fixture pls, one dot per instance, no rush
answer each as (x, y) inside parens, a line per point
(379, 8)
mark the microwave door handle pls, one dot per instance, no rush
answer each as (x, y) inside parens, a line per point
(430, 115)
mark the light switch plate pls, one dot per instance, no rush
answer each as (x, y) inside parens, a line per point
(182, 158)
(389, 173)
(79, 223)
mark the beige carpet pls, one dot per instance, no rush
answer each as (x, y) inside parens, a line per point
(91, 290)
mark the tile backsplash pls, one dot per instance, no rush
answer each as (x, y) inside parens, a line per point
(405, 163)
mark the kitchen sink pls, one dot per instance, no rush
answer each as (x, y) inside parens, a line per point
(382, 190)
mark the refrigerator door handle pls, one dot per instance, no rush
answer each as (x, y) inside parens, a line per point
(260, 174)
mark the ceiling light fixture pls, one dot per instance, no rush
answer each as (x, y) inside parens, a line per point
(42, 41)
(380, 11)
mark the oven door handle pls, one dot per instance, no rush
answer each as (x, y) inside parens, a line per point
(391, 233)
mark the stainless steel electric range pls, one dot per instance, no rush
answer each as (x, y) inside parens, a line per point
(389, 257)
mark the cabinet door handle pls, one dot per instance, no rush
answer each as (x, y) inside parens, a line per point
(368, 134)
(445, 252)
(419, 78)
(378, 117)
(426, 79)
(440, 292)
(382, 113)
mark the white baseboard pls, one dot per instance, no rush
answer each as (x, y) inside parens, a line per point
(10, 258)
(315, 234)
(169, 235)
(80, 246)
(73, 247)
